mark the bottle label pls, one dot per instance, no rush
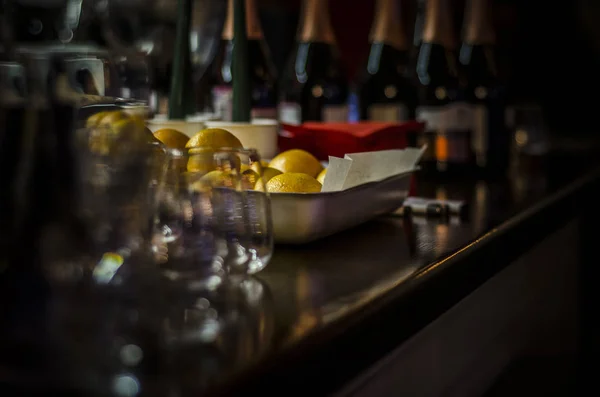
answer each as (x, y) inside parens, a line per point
(480, 134)
(387, 112)
(335, 113)
(432, 117)
(290, 113)
(460, 116)
(459, 123)
(446, 133)
(223, 105)
(222, 102)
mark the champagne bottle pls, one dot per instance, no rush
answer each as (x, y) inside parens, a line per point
(314, 87)
(180, 95)
(440, 105)
(484, 89)
(385, 92)
(263, 78)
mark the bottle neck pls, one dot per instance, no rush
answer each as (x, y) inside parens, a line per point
(478, 28)
(316, 24)
(437, 28)
(253, 27)
(387, 27)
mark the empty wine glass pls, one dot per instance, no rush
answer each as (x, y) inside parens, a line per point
(184, 242)
(213, 216)
(242, 208)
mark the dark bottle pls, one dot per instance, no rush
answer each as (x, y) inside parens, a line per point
(484, 89)
(263, 78)
(314, 86)
(385, 91)
(446, 114)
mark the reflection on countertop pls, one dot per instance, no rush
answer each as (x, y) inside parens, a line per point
(328, 288)
(316, 284)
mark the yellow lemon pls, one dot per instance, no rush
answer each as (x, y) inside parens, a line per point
(214, 138)
(129, 126)
(293, 182)
(121, 134)
(172, 138)
(94, 119)
(206, 160)
(263, 164)
(212, 180)
(321, 176)
(113, 117)
(200, 161)
(131, 131)
(249, 179)
(219, 179)
(297, 161)
(152, 139)
(269, 173)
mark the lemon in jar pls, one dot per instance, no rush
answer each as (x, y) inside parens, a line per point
(203, 145)
(214, 179)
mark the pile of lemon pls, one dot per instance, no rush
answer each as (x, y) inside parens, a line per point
(109, 128)
(293, 171)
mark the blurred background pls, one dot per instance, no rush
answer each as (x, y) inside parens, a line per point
(550, 49)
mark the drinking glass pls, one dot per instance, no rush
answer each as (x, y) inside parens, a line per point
(107, 235)
(185, 243)
(244, 214)
(211, 220)
(530, 131)
(106, 301)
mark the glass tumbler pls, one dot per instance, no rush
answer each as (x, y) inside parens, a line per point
(243, 210)
(184, 242)
(214, 215)
(105, 300)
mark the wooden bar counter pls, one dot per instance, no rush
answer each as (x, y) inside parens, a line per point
(404, 306)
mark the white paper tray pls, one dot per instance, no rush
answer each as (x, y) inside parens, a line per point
(299, 218)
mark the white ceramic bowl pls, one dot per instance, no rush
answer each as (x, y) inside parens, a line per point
(260, 134)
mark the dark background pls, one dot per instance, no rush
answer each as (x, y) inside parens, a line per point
(551, 49)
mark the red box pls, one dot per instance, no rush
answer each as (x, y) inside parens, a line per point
(338, 139)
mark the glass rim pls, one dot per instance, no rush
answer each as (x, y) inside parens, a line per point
(208, 149)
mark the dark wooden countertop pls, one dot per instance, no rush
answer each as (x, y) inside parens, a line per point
(319, 314)
(342, 303)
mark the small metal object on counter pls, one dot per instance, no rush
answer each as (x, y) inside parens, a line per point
(433, 207)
